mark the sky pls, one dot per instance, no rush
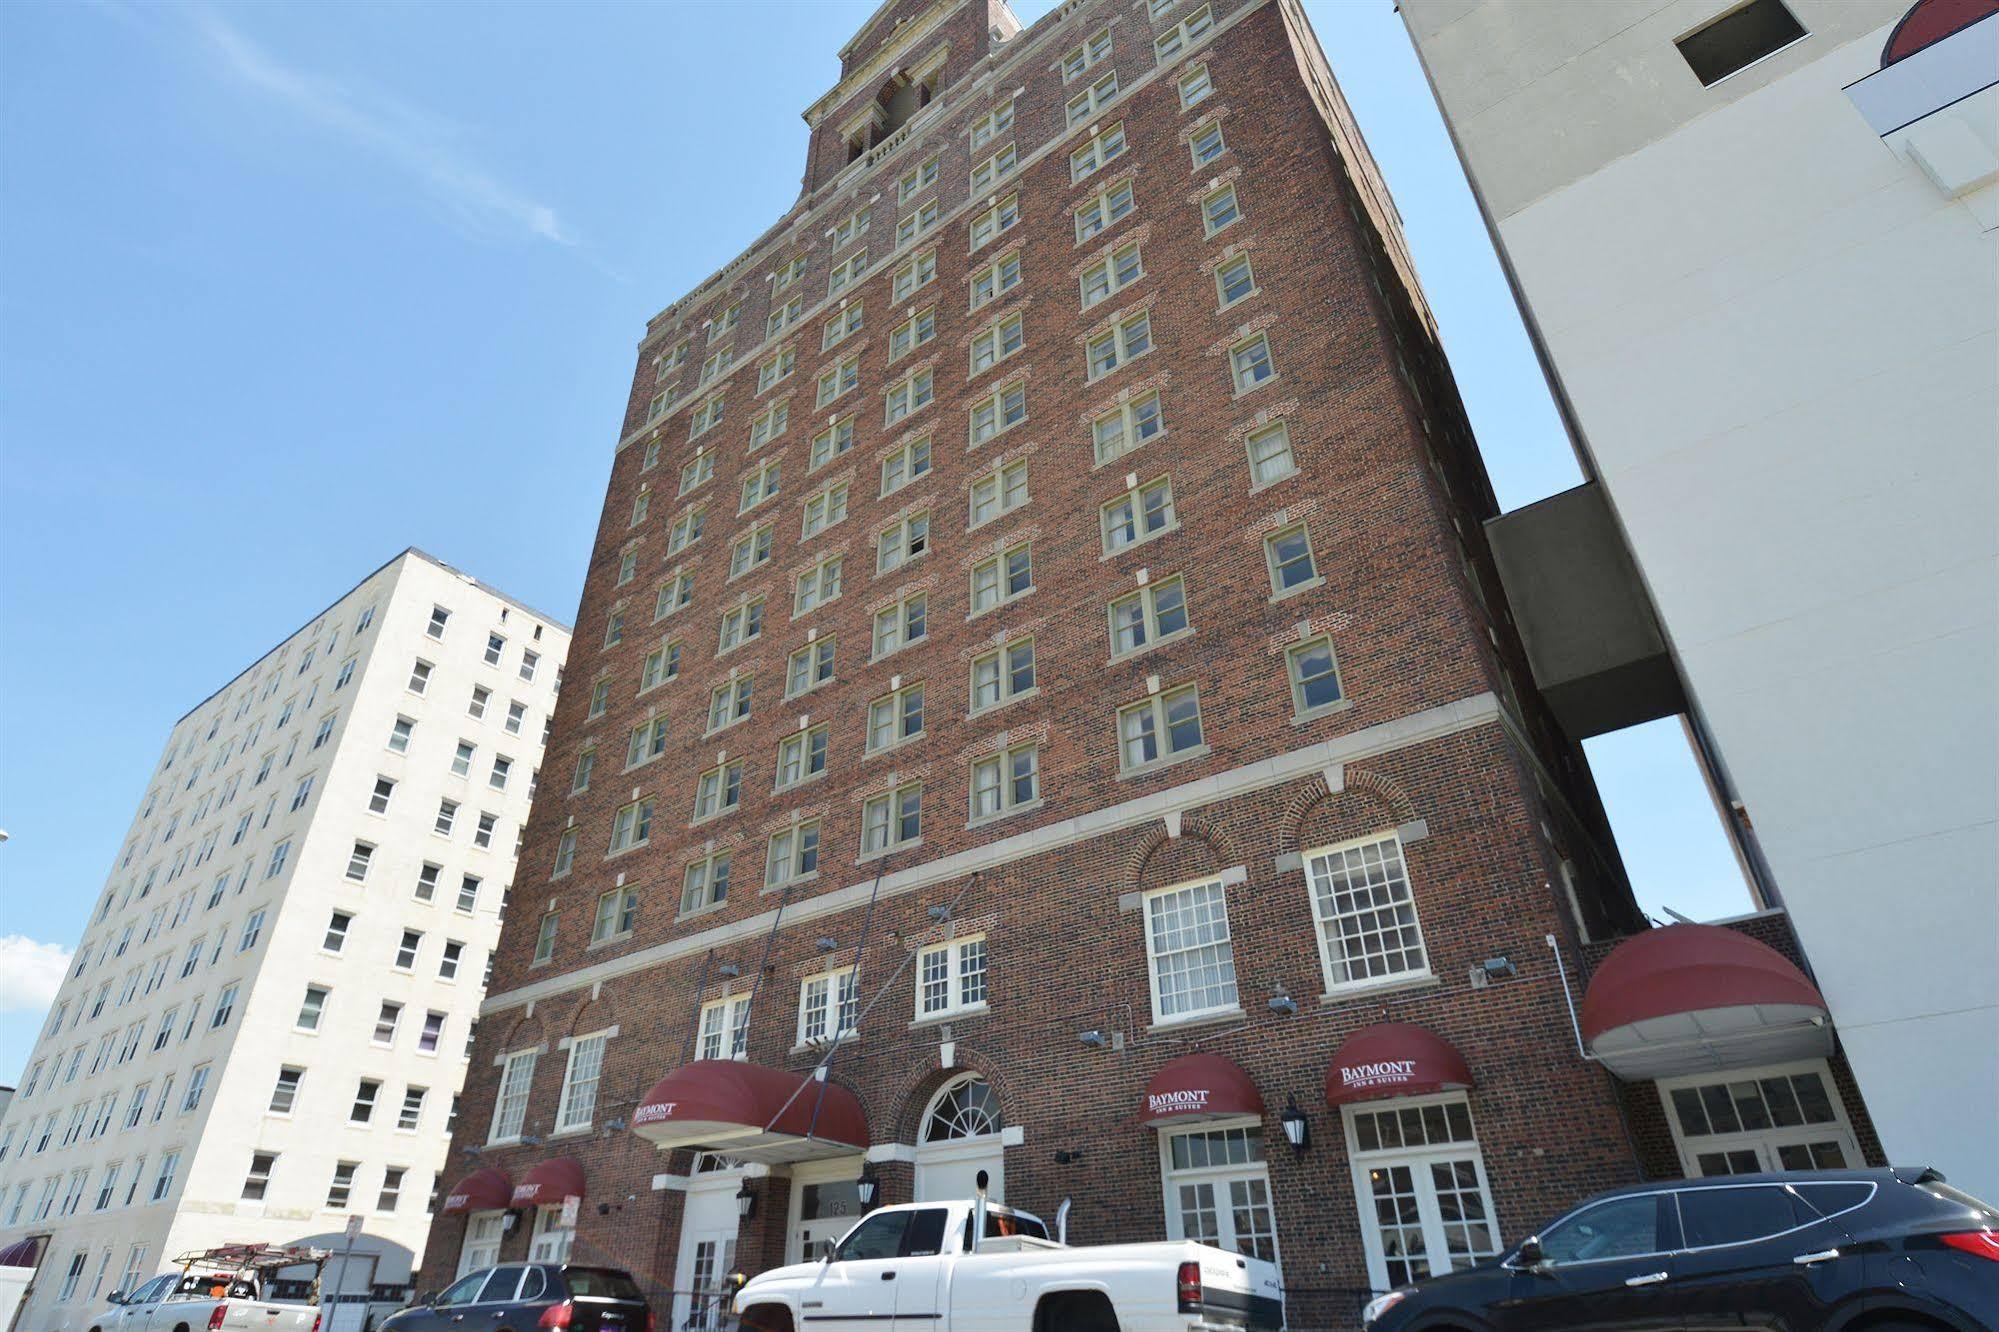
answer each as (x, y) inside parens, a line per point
(287, 288)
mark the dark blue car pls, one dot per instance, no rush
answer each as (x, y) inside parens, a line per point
(524, 1297)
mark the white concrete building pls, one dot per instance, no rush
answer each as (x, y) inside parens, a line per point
(1756, 245)
(267, 1020)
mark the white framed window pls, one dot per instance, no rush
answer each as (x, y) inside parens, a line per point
(837, 379)
(420, 676)
(777, 369)
(808, 667)
(628, 565)
(631, 826)
(846, 273)
(892, 819)
(406, 950)
(917, 224)
(1314, 673)
(1365, 912)
(831, 443)
(951, 977)
(909, 394)
(790, 273)
(851, 226)
(750, 550)
(1112, 274)
(995, 221)
(1250, 364)
(1189, 949)
(676, 593)
(510, 1104)
(1082, 58)
(1119, 345)
(783, 317)
(578, 1102)
(1419, 1180)
(614, 628)
(995, 343)
(1195, 85)
(706, 417)
(1006, 783)
(705, 882)
(284, 1094)
(661, 664)
(895, 717)
(818, 585)
(1780, 1117)
(902, 541)
(1218, 1188)
(1103, 210)
(996, 279)
(718, 790)
(829, 1004)
(800, 756)
(1139, 515)
(1127, 426)
(1206, 143)
(916, 180)
(844, 324)
(697, 471)
(1169, 44)
(913, 275)
(399, 735)
(1288, 553)
(724, 1028)
(725, 322)
(1087, 102)
(1005, 577)
(898, 625)
(765, 426)
(1219, 210)
(760, 485)
(994, 169)
(616, 916)
(729, 702)
(1160, 729)
(646, 742)
(999, 491)
(544, 940)
(358, 861)
(586, 763)
(312, 1007)
(1003, 674)
(1103, 148)
(991, 125)
(912, 333)
(998, 412)
(906, 464)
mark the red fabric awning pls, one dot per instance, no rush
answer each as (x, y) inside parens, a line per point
(22, 1253)
(1687, 998)
(481, 1191)
(549, 1183)
(1394, 1059)
(1199, 1087)
(1928, 22)
(749, 1111)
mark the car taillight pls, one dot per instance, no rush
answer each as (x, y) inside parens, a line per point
(215, 1318)
(315, 1323)
(557, 1315)
(652, 1321)
(1977, 1243)
(1187, 1288)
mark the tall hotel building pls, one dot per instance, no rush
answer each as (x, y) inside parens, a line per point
(269, 1014)
(1045, 711)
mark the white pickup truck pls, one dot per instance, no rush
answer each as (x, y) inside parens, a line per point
(920, 1266)
(218, 1290)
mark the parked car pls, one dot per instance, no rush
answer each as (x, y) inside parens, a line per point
(951, 1266)
(228, 1289)
(1895, 1250)
(514, 1297)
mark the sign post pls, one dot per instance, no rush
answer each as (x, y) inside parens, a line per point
(353, 1232)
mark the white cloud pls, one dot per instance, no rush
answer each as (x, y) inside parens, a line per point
(30, 973)
(408, 138)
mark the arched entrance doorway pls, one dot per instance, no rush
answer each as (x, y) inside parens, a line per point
(959, 1137)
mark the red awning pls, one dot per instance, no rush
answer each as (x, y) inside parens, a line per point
(549, 1183)
(1199, 1087)
(751, 1112)
(481, 1191)
(22, 1253)
(1928, 22)
(1693, 998)
(1394, 1059)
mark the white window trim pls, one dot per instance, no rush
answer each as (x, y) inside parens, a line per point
(1341, 989)
(1360, 1161)
(1222, 881)
(1689, 1150)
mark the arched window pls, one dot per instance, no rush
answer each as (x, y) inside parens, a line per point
(966, 1108)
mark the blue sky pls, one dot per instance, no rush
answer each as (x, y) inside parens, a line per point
(284, 289)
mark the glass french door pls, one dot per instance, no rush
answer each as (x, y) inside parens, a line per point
(1218, 1190)
(1419, 1181)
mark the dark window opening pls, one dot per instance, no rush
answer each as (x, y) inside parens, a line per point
(1738, 39)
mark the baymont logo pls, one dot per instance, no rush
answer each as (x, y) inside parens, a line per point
(658, 1110)
(1177, 1102)
(1378, 1073)
(457, 1201)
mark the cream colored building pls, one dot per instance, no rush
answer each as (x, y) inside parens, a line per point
(267, 1019)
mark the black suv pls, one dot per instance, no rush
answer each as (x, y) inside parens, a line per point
(1888, 1250)
(516, 1297)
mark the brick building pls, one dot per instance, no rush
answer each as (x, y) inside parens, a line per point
(1044, 711)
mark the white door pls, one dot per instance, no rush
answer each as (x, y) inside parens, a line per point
(825, 1204)
(354, 1278)
(1419, 1179)
(551, 1240)
(482, 1241)
(1218, 1189)
(707, 1252)
(960, 1142)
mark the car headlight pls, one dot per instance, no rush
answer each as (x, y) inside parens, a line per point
(1381, 1304)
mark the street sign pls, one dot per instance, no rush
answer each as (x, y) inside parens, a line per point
(570, 1206)
(353, 1228)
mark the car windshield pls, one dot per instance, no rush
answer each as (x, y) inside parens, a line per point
(1619, 1228)
(600, 1283)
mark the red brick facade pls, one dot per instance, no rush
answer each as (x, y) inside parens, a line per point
(1438, 735)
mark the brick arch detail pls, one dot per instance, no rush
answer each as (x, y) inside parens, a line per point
(528, 1029)
(1192, 826)
(1360, 785)
(589, 1015)
(913, 1097)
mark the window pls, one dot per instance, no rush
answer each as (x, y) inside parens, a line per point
(411, 1113)
(544, 940)
(392, 1188)
(387, 1020)
(631, 826)
(378, 800)
(1005, 577)
(824, 509)
(447, 964)
(724, 1028)
(1738, 39)
(917, 224)
(495, 646)
(706, 882)
(698, 470)
(468, 895)
(197, 1084)
(477, 707)
(687, 528)
(1102, 149)
(777, 368)
(916, 180)
(426, 881)
(319, 738)
(578, 1101)
(163, 1182)
(760, 485)
(284, 1095)
(586, 763)
(419, 676)
(312, 1008)
(1195, 85)
(719, 790)
(991, 125)
(1165, 727)
(846, 273)
(1087, 102)
(1004, 409)
(914, 274)
(1249, 363)
(439, 617)
(838, 378)
(447, 815)
(399, 735)
(259, 1177)
(750, 550)
(844, 323)
(1206, 143)
(1002, 675)
(831, 442)
(999, 491)
(894, 718)
(899, 625)
(792, 853)
(1130, 338)
(1315, 677)
(1289, 555)
(1425, 1205)
(893, 819)
(225, 1006)
(1219, 209)
(646, 742)
(902, 541)
(729, 702)
(1192, 958)
(406, 950)
(995, 344)
(779, 319)
(641, 505)
(808, 667)
(909, 394)
(1138, 515)
(253, 928)
(661, 664)
(801, 755)
(1366, 913)
(1076, 62)
(358, 860)
(1112, 274)
(995, 221)
(432, 1034)
(1779, 1118)
(1103, 210)
(1183, 34)
(828, 1003)
(614, 629)
(765, 426)
(905, 465)
(989, 172)
(341, 1191)
(951, 977)
(996, 279)
(791, 272)
(1006, 782)
(912, 333)
(851, 226)
(676, 593)
(510, 1105)
(713, 369)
